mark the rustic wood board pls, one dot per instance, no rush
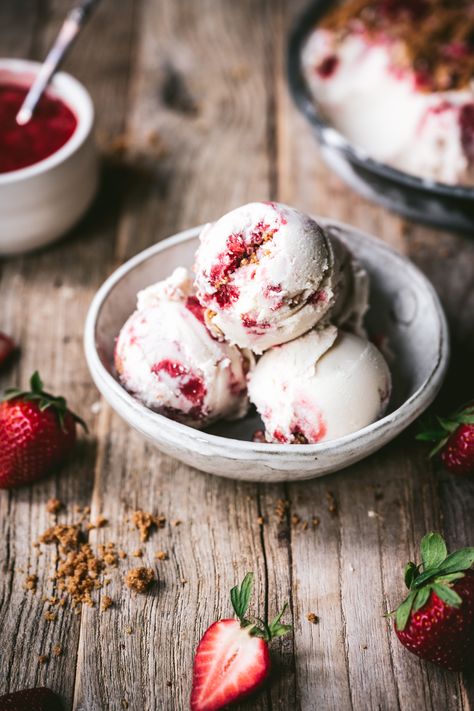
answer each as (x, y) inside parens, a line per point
(199, 89)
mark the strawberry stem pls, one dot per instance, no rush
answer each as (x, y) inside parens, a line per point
(240, 598)
(44, 399)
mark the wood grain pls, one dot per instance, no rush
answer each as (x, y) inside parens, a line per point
(200, 93)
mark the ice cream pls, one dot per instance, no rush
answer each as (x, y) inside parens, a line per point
(167, 358)
(395, 78)
(267, 273)
(320, 386)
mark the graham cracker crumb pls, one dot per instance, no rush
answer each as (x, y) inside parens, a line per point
(57, 650)
(311, 617)
(315, 522)
(106, 602)
(144, 522)
(50, 616)
(139, 579)
(129, 630)
(53, 506)
(176, 522)
(295, 519)
(43, 659)
(31, 583)
(260, 520)
(332, 505)
(161, 555)
(281, 509)
(122, 554)
(138, 553)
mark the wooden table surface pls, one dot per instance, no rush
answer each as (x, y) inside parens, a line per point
(199, 90)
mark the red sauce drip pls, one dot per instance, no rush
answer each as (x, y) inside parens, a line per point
(227, 295)
(466, 123)
(328, 66)
(237, 249)
(191, 385)
(53, 123)
(193, 305)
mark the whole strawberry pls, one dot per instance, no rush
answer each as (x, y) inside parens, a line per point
(454, 437)
(39, 699)
(37, 432)
(232, 659)
(436, 620)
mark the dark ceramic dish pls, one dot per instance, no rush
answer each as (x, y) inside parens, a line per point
(444, 206)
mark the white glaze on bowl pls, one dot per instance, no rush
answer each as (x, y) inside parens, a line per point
(404, 308)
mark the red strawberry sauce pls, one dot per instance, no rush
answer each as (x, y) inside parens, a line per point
(53, 124)
(191, 385)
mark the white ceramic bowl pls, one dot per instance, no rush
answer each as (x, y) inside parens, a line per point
(41, 202)
(403, 307)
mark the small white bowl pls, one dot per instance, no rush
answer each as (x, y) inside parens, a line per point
(41, 202)
(404, 308)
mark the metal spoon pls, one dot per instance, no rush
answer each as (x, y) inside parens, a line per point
(71, 27)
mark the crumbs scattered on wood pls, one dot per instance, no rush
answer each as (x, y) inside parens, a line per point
(331, 502)
(53, 506)
(311, 617)
(281, 509)
(105, 603)
(139, 580)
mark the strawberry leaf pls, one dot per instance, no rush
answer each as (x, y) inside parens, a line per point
(36, 383)
(465, 419)
(430, 435)
(457, 561)
(433, 550)
(240, 597)
(275, 628)
(421, 597)
(447, 595)
(449, 578)
(403, 612)
(447, 425)
(411, 571)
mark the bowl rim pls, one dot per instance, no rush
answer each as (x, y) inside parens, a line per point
(75, 95)
(407, 411)
(329, 135)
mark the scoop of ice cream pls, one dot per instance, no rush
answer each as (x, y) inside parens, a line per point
(264, 273)
(321, 386)
(350, 283)
(382, 109)
(167, 358)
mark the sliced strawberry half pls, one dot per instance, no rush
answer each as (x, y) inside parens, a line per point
(232, 659)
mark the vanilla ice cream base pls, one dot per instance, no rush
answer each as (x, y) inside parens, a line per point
(323, 385)
(380, 111)
(293, 283)
(164, 331)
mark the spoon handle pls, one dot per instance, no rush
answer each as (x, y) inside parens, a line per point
(72, 25)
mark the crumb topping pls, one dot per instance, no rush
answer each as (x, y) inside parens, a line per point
(433, 37)
(139, 579)
(53, 506)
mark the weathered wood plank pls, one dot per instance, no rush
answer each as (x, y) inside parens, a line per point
(209, 111)
(351, 572)
(44, 299)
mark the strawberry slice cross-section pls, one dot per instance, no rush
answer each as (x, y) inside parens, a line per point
(233, 659)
